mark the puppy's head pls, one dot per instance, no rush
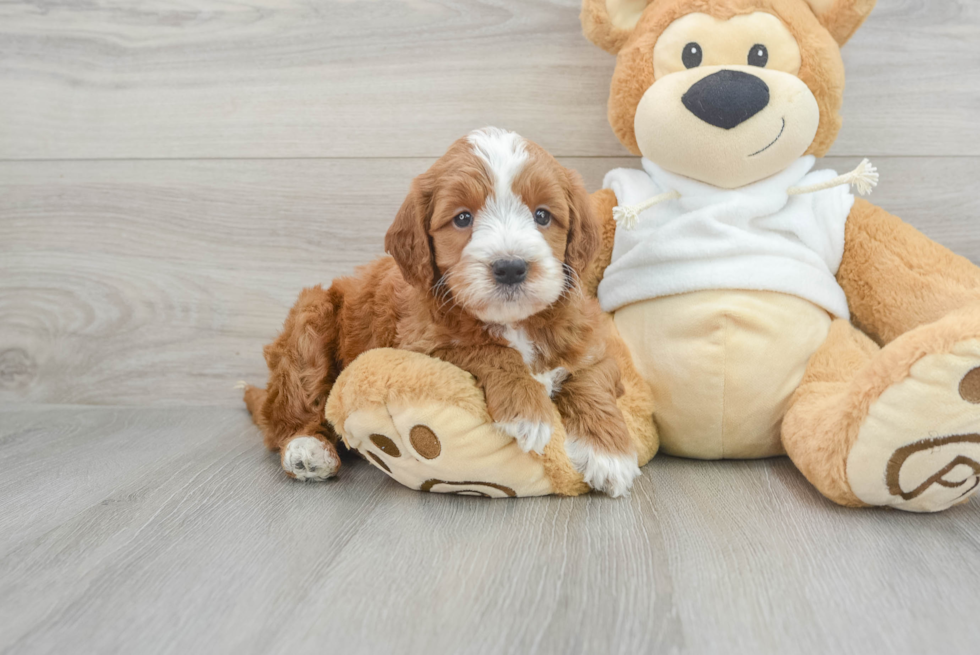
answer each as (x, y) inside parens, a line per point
(727, 92)
(496, 226)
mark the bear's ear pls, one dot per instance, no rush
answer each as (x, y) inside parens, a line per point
(608, 23)
(842, 18)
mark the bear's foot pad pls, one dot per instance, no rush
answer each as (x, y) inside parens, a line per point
(919, 447)
(441, 448)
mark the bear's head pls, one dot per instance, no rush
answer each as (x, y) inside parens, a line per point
(727, 92)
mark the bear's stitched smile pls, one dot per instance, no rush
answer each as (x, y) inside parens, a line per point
(781, 130)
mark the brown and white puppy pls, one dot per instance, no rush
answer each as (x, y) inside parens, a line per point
(486, 254)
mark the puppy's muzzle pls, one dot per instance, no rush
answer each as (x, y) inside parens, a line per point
(727, 99)
(509, 271)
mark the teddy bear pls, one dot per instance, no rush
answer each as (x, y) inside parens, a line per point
(766, 310)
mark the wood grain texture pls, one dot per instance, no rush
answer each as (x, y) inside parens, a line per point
(173, 531)
(334, 78)
(143, 283)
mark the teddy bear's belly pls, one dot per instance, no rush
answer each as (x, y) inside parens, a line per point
(723, 366)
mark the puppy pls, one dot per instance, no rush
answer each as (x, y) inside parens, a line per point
(486, 253)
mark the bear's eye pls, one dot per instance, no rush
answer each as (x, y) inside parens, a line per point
(758, 56)
(692, 55)
(463, 220)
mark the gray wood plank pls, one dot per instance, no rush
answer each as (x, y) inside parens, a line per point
(284, 78)
(148, 283)
(173, 531)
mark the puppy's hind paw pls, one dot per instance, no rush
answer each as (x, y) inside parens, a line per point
(309, 459)
(613, 474)
(531, 436)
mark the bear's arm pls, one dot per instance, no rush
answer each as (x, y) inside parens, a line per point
(603, 202)
(896, 278)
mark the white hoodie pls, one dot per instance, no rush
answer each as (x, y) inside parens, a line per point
(756, 237)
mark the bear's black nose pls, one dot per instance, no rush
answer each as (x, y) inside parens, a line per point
(509, 271)
(727, 99)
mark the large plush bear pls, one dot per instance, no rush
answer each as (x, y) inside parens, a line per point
(765, 313)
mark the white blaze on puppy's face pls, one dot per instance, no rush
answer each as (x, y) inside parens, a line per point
(504, 229)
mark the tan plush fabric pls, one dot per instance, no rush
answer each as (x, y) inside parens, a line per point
(842, 18)
(608, 23)
(897, 279)
(815, 430)
(821, 68)
(723, 366)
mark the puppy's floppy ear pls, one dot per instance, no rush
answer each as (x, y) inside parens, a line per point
(407, 240)
(584, 234)
(609, 23)
(842, 18)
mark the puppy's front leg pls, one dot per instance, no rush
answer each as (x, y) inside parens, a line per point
(517, 403)
(598, 442)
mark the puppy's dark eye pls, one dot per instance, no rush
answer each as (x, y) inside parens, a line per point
(463, 220)
(759, 55)
(692, 55)
(542, 217)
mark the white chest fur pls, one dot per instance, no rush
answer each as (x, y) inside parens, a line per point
(519, 340)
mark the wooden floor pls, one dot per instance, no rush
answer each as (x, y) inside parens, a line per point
(173, 173)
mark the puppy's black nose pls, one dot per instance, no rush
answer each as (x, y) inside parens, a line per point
(727, 99)
(509, 271)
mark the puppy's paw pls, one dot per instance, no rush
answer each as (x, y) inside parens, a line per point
(610, 473)
(309, 459)
(531, 436)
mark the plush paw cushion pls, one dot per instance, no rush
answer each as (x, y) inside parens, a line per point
(424, 422)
